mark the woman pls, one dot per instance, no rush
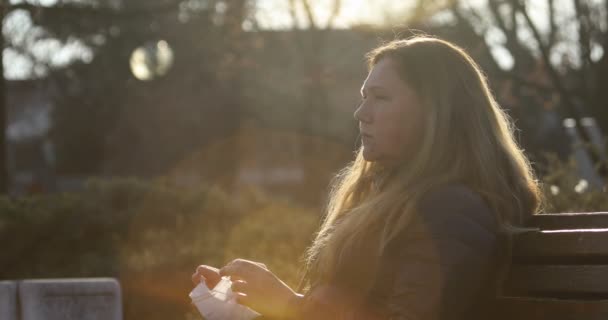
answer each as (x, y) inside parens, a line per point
(413, 227)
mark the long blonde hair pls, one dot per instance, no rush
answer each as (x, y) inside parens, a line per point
(467, 138)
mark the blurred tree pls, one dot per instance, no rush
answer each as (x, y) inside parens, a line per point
(107, 121)
(557, 52)
(312, 48)
(3, 153)
(311, 55)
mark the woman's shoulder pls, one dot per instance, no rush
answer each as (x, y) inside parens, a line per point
(448, 252)
(456, 205)
(453, 194)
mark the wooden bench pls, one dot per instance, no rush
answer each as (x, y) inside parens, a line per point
(559, 272)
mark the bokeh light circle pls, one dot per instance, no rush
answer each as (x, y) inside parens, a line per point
(151, 61)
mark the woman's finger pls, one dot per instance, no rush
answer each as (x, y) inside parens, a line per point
(243, 299)
(236, 278)
(211, 275)
(196, 279)
(239, 286)
(206, 270)
(239, 268)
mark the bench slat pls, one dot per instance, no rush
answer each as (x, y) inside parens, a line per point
(557, 221)
(577, 247)
(561, 272)
(570, 281)
(510, 308)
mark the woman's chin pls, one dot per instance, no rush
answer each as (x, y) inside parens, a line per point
(369, 155)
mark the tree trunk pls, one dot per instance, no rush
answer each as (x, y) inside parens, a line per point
(3, 115)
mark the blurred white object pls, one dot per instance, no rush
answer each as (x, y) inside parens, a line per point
(584, 163)
(220, 303)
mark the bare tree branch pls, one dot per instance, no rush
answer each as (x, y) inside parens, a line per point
(544, 51)
(293, 13)
(493, 5)
(582, 14)
(466, 23)
(584, 39)
(571, 109)
(309, 14)
(473, 13)
(517, 78)
(335, 12)
(552, 25)
(521, 55)
(4, 183)
(84, 10)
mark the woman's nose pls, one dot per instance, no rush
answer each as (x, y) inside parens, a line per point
(362, 113)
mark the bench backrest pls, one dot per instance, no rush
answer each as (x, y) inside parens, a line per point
(561, 221)
(561, 271)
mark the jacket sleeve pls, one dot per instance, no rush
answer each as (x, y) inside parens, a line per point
(332, 303)
(445, 259)
(440, 263)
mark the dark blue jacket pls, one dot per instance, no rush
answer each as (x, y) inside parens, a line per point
(442, 267)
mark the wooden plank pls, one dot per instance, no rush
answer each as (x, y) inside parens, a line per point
(562, 247)
(510, 308)
(557, 221)
(567, 281)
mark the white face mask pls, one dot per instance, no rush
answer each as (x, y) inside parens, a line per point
(220, 302)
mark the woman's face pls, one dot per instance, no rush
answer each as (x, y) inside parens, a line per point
(390, 115)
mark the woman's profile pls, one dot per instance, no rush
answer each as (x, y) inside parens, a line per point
(414, 223)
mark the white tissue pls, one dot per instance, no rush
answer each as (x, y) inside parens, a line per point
(220, 303)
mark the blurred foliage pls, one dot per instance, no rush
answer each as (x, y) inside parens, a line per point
(151, 236)
(223, 74)
(565, 191)
(104, 119)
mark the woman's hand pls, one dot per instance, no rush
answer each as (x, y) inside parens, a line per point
(209, 274)
(258, 288)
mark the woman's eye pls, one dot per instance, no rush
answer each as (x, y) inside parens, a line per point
(375, 97)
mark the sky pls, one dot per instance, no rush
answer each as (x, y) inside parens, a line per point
(274, 14)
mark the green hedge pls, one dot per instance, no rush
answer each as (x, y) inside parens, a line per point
(150, 236)
(565, 191)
